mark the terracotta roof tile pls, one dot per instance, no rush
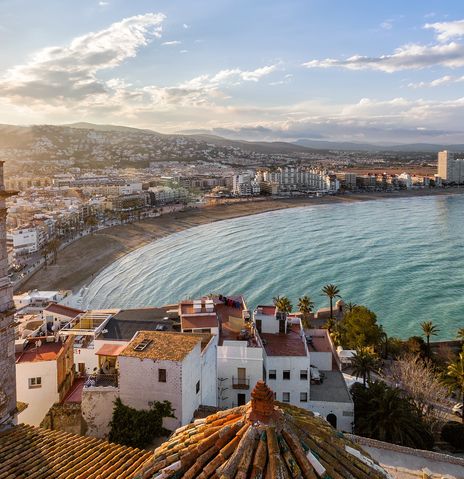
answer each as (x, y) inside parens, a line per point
(164, 345)
(63, 310)
(260, 440)
(36, 453)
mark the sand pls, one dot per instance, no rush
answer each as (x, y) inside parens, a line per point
(79, 262)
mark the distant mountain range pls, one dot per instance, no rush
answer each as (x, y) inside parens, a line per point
(12, 136)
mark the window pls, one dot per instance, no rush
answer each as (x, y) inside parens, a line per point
(197, 387)
(272, 374)
(285, 397)
(161, 375)
(35, 383)
(286, 375)
(304, 374)
(303, 397)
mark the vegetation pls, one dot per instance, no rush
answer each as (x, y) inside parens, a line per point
(138, 428)
(460, 335)
(454, 377)
(429, 329)
(453, 433)
(418, 378)
(359, 329)
(331, 291)
(386, 414)
(283, 304)
(305, 307)
(364, 362)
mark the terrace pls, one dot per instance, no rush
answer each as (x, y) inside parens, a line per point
(90, 323)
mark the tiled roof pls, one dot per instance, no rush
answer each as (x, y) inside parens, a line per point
(44, 352)
(199, 321)
(167, 346)
(63, 310)
(260, 440)
(281, 344)
(32, 452)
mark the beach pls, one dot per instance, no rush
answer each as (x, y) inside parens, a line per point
(81, 261)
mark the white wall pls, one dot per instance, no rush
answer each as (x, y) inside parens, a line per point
(231, 356)
(86, 356)
(208, 386)
(138, 385)
(97, 409)
(191, 374)
(294, 385)
(39, 399)
(343, 411)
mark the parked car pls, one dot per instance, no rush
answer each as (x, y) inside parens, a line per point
(457, 409)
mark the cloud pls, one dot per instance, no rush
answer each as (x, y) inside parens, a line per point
(66, 74)
(185, 25)
(172, 42)
(444, 80)
(184, 51)
(386, 25)
(407, 57)
(446, 31)
(103, 4)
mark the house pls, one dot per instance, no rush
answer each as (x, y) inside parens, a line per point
(168, 366)
(44, 374)
(58, 315)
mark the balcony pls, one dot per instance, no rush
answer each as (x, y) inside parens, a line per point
(240, 383)
(101, 380)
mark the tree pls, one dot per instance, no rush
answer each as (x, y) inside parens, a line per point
(429, 329)
(138, 428)
(417, 377)
(331, 291)
(460, 335)
(454, 377)
(54, 246)
(283, 304)
(305, 306)
(364, 362)
(386, 414)
(350, 306)
(360, 329)
(91, 221)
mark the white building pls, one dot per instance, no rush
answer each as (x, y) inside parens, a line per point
(165, 366)
(450, 169)
(27, 240)
(245, 185)
(405, 180)
(44, 374)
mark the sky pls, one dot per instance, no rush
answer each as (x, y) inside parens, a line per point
(358, 70)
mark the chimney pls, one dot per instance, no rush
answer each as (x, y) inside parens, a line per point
(7, 338)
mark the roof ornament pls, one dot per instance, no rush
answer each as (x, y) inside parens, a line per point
(262, 402)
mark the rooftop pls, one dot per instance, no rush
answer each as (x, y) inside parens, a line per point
(281, 344)
(332, 389)
(123, 325)
(28, 451)
(260, 439)
(168, 346)
(40, 351)
(63, 310)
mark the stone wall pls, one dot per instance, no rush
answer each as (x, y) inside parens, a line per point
(65, 417)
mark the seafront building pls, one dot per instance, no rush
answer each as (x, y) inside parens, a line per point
(450, 169)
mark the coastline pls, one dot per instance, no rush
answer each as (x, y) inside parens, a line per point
(81, 261)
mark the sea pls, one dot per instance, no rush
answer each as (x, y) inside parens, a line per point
(403, 258)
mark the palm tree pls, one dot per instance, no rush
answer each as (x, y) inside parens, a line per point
(454, 378)
(384, 413)
(283, 304)
(460, 335)
(305, 306)
(364, 363)
(429, 329)
(331, 291)
(350, 306)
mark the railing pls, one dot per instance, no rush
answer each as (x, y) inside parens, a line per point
(240, 383)
(101, 380)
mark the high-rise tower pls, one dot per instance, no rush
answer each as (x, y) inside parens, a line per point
(7, 350)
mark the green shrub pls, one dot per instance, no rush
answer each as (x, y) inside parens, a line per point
(453, 432)
(138, 428)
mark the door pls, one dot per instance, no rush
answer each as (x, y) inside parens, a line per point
(241, 399)
(282, 326)
(241, 373)
(259, 324)
(332, 419)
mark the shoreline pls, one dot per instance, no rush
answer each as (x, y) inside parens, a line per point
(73, 270)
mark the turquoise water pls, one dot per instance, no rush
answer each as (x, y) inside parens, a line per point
(403, 258)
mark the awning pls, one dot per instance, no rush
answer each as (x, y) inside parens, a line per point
(111, 350)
